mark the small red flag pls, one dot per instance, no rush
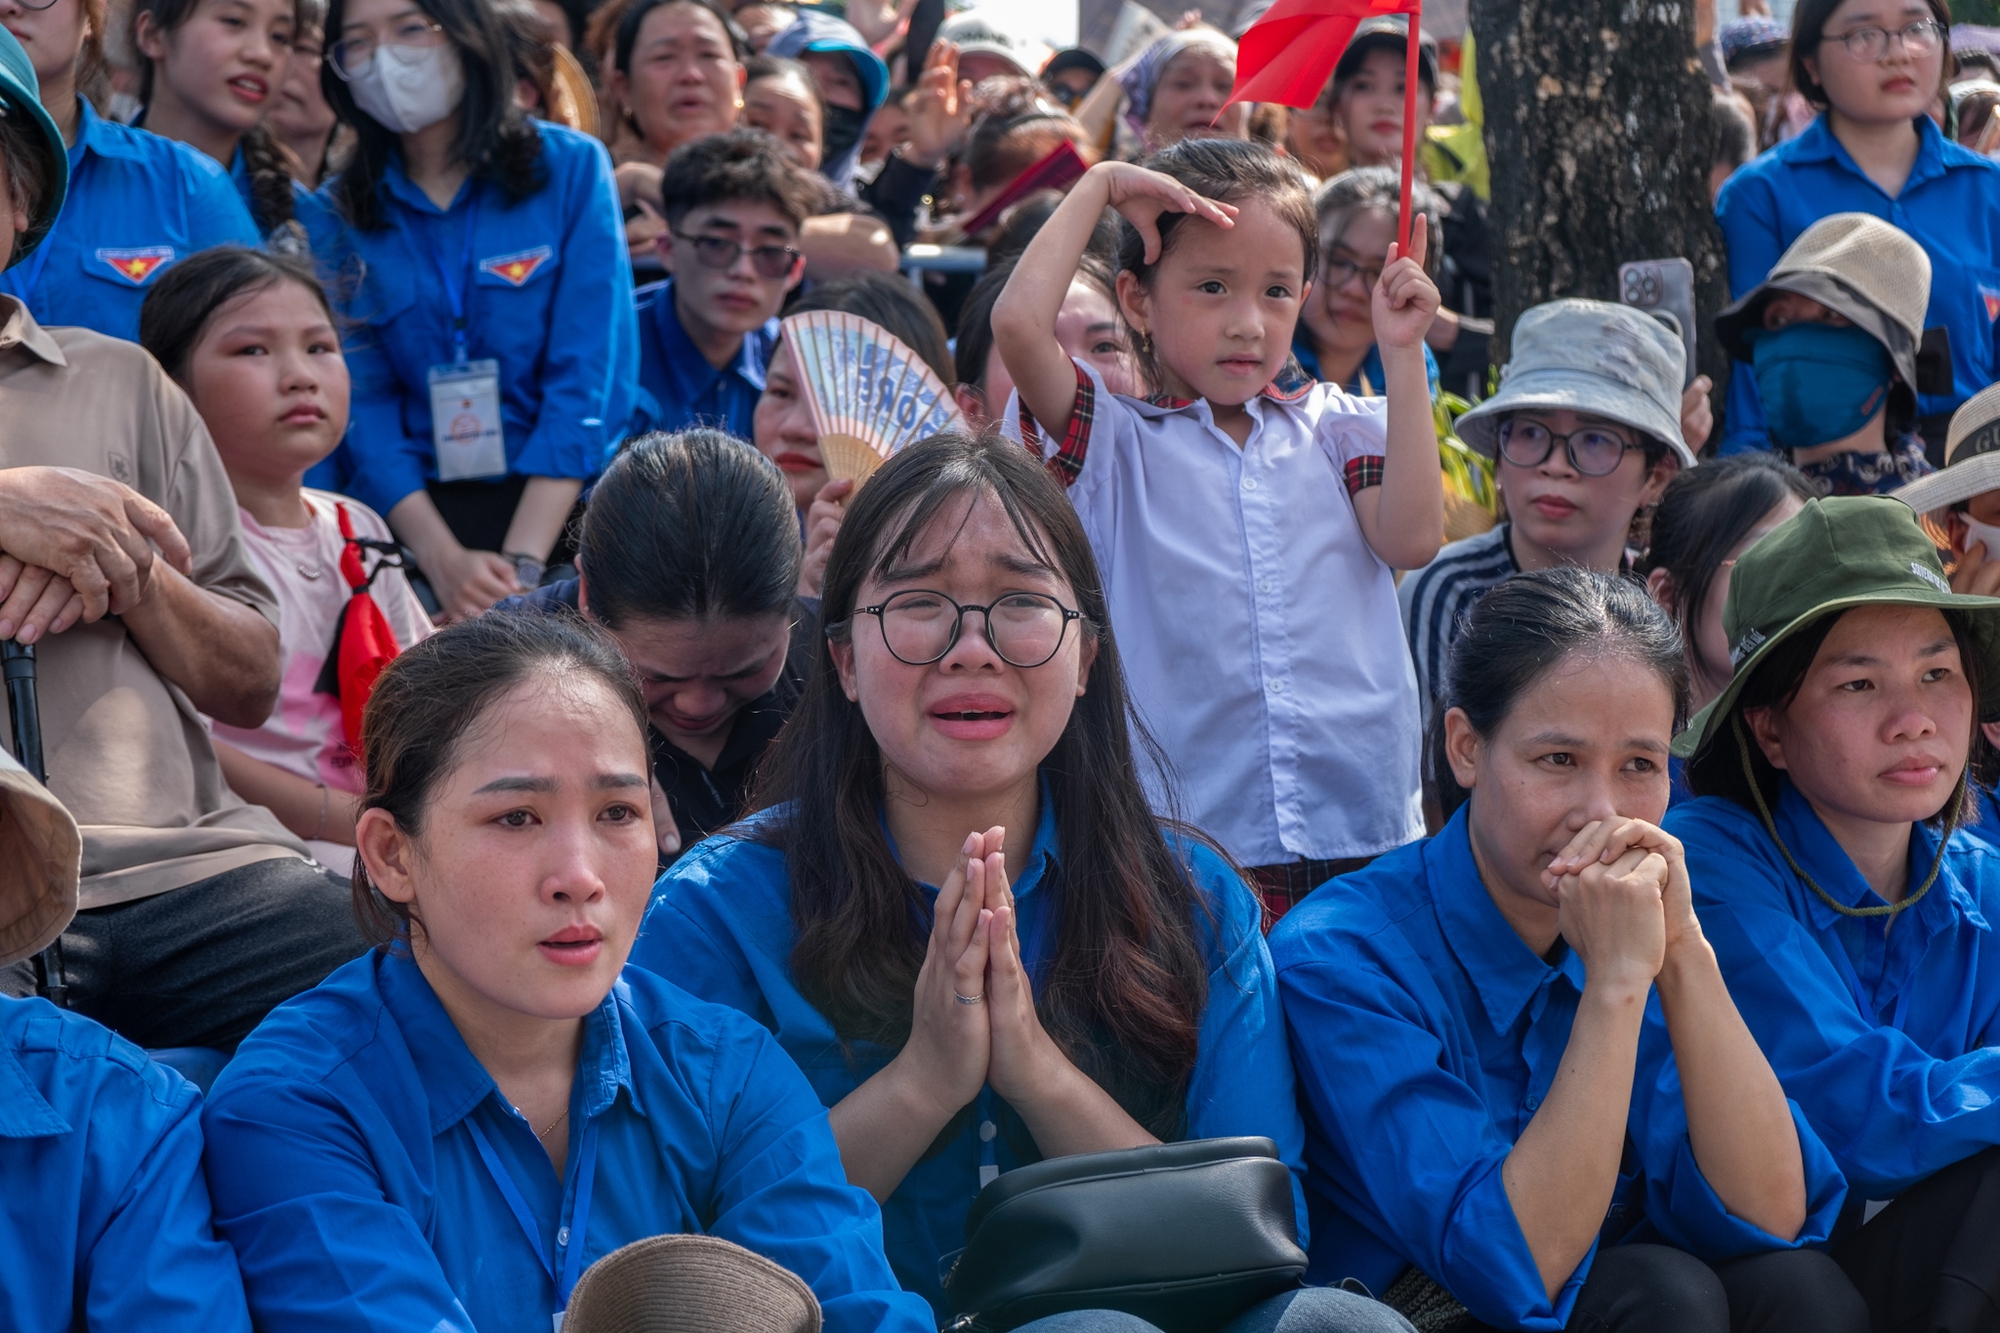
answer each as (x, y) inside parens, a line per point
(366, 643)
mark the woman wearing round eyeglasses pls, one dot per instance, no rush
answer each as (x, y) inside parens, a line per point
(137, 202)
(477, 253)
(956, 910)
(1875, 69)
(1334, 339)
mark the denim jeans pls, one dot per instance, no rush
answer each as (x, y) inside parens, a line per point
(1306, 1310)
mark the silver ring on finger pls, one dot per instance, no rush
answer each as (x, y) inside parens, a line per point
(969, 999)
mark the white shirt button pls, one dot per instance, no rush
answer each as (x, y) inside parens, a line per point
(1277, 687)
(1263, 585)
(562, 1237)
(986, 1131)
(1249, 483)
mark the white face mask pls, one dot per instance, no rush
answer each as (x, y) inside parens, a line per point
(410, 88)
(1981, 532)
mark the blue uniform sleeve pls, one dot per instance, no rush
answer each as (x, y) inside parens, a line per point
(1414, 1144)
(781, 1191)
(1748, 216)
(216, 215)
(1242, 1081)
(590, 369)
(322, 1248)
(1897, 1113)
(1680, 1203)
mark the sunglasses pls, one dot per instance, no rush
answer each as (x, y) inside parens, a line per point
(721, 253)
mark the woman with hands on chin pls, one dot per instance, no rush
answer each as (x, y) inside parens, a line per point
(956, 910)
(1528, 1091)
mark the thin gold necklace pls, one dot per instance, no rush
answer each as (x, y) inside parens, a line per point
(552, 1124)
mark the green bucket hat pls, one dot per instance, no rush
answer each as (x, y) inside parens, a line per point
(21, 102)
(1832, 555)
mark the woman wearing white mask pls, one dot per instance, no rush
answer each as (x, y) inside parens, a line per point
(478, 257)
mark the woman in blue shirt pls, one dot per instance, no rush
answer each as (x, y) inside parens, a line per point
(137, 202)
(1854, 926)
(494, 350)
(966, 995)
(1527, 1088)
(445, 1133)
(1873, 68)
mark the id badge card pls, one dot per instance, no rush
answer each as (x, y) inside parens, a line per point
(465, 421)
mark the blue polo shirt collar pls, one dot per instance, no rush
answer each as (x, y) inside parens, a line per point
(1817, 143)
(399, 185)
(1503, 971)
(1043, 856)
(24, 1112)
(1813, 846)
(454, 1081)
(684, 363)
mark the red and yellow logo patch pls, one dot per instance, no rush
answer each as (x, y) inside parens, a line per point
(137, 266)
(517, 269)
(1992, 300)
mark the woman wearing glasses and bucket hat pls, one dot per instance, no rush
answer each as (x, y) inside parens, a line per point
(1854, 929)
(493, 346)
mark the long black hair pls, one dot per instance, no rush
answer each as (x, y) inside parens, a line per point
(180, 304)
(1704, 512)
(1127, 983)
(689, 527)
(1529, 623)
(497, 141)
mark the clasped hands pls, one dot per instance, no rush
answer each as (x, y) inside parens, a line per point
(75, 547)
(1624, 901)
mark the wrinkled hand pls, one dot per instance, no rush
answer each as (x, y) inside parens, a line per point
(823, 520)
(666, 828)
(1977, 572)
(1614, 914)
(940, 110)
(1405, 300)
(949, 1042)
(468, 583)
(97, 534)
(1606, 841)
(1697, 417)
(1142, 195)
(34, 602)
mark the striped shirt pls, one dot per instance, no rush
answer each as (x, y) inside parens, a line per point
(1436, 598)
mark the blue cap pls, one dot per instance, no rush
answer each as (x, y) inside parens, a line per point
(21, 101)
(1740, 35)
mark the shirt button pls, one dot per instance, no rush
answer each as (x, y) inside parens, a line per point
(1277, 687)
(1263, 585)
(986, 1131)
(1249, 483)
(562, 1237)
(1534, 1103)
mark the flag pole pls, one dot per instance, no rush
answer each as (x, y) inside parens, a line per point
(1403, 221)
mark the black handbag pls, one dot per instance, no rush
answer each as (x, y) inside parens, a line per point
(1184, 1235)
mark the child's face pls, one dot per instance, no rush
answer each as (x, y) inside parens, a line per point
(268, 378)
(1371, 109)
(1222, 305)
(226, 61)
(1561, 510)
(784, 108)
(738, 296)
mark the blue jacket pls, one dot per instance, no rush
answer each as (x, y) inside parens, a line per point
(346, 1160)
(1950, 205)
(677, 386)
(104, 1222)
(137, 203)
(721, 926)
(1890, 1039)
(1426, 1035)
(548, 297)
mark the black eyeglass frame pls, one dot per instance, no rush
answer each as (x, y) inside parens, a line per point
(958, 626)
(1502, 435)
(737, 250)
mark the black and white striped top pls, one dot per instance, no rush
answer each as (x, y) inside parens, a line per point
(1435, 599)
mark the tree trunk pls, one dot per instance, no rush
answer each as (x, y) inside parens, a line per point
(1599, 127)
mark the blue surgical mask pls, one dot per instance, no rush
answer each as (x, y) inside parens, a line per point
(1819, 383)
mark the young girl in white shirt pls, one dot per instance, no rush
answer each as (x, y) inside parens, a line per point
(1247, 519)
(250, 337)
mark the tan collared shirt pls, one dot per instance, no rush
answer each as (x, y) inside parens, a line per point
(126, 751)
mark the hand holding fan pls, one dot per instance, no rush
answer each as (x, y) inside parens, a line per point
(869, 393)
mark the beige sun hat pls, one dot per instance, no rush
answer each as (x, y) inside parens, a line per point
(1868, 270)
(1972, 463)
(41, 857)
(689, 1284)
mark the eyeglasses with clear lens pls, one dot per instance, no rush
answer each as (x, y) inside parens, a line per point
(720, 253)
(1593, 451)
(349, 56)
(29, 4)
(1340, 272)
(1921, 38)
(919, 626)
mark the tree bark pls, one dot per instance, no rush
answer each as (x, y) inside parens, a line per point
(1600, 131)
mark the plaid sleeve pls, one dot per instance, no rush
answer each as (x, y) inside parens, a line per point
(1067, 461)
(1363, 472)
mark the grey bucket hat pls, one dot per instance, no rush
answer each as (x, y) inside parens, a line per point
(1611, 361)
(41, 856)
(689, 1284)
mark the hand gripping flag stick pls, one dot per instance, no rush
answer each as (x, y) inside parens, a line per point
(1287, 55)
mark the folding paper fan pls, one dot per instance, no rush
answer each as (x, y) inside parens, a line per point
(869, 393)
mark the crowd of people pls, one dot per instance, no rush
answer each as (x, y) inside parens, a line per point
(488, 788)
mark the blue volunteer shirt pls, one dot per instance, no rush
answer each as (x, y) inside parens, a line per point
(137, 204)
(678, 388)
(1370, 380)
(104, 1223)
(1426, 1035)
(1950, 205)
(346, 1163)
(1890, 1039)
(546, 289)
(721, 926)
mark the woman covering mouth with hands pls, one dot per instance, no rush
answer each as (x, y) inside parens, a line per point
(956, 911)
(449, 1130)
(1528, 1093)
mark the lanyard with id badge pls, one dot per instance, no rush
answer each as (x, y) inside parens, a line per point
(466, 428)
(570, 1239)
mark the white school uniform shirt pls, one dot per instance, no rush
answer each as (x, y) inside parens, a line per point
(1259, 631)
